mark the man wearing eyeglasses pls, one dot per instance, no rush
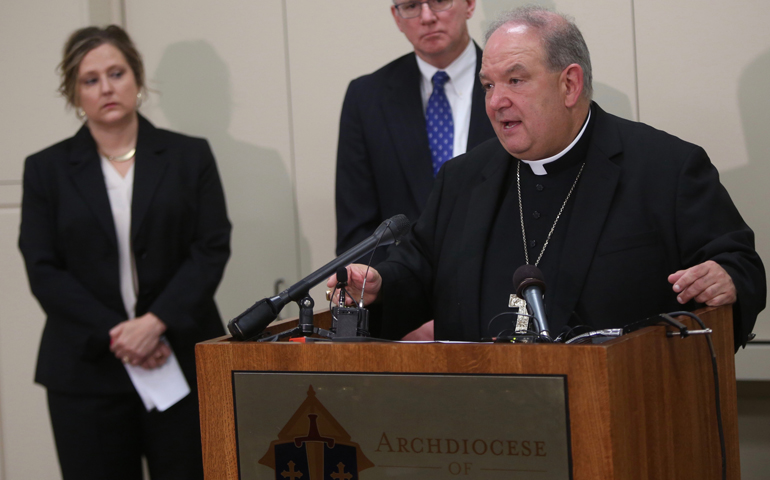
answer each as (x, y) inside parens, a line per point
(397, 128)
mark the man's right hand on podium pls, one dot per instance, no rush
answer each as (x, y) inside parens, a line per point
(356, 273)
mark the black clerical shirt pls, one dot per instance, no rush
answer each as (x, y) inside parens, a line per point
(542, 197)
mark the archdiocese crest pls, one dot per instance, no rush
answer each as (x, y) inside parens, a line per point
(314, 446)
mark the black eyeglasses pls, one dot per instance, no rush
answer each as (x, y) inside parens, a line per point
(413, 9)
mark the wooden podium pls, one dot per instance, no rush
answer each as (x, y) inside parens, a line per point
(641, 406)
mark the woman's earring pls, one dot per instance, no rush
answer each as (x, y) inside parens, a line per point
(138, 100)
(81, 114)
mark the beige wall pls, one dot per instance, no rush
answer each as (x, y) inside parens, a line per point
(31, 117)
(221, 73)
(702, 76)
(264, 82)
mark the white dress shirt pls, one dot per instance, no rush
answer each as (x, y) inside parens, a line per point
(459, 92)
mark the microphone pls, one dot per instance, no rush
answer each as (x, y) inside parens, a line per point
(253, 321)
(530, 285)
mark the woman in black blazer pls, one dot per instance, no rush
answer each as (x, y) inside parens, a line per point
(125, 236)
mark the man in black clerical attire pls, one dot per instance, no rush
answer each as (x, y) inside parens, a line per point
(625, 221)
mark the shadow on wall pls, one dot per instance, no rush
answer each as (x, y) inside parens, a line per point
(196, 99)
(748, 184)
(613, 101)
(609, 98)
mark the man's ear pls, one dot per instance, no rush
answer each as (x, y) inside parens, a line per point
(470, 8)
(396, 17)
(571, 81)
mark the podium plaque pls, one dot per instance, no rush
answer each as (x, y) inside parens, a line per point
(401, 426)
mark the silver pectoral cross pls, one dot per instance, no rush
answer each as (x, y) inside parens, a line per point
(522, 320)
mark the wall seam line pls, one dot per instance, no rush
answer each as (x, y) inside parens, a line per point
(122, 7)
(636, 62)
(292, 150)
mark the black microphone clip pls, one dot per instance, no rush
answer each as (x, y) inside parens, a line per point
(342, 282)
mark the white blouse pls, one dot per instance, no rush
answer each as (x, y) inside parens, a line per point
(160, 387)
(120, 191)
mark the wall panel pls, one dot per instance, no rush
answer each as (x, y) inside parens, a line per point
(702, 76)
(32, 117)
(217, 70)
(27, 440)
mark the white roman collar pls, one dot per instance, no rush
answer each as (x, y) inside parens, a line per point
(537, 166)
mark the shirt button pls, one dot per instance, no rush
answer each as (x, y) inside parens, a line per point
(536, 214)
(539, 187)
(532, 243)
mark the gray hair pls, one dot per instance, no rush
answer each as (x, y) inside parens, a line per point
(562, 40)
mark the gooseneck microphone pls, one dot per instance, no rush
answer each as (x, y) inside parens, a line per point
(253, 321)
(530, 285)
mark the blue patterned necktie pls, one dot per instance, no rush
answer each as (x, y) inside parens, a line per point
(438, 120)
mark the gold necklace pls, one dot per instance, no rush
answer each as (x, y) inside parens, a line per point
(121, 158)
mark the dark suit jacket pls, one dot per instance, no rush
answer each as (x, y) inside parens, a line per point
(648, 204)
(384, 165)
(180, 236)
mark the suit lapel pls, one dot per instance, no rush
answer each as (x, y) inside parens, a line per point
(480, 129)
(593, 199)
(405, 121)
(482, 208)
(151, 163)
(87, 175)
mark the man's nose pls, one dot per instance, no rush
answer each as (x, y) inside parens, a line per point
(497, 99)
(426, 14)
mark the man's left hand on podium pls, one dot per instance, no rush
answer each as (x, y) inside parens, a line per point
(707, 283)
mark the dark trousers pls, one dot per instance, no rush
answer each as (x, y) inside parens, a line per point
(104, 437)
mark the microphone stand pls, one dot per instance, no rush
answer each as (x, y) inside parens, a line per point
(255, 319)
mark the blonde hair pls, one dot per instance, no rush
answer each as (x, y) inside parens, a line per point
(83, 41)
